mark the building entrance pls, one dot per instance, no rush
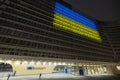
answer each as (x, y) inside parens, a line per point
(5, 69)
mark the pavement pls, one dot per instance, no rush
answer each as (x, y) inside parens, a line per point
(62, 76)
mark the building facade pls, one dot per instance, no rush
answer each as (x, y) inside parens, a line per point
(35, 30)
(27, 29)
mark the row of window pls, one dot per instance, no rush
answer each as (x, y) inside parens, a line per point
(28, 24)
(50, 47)
(35, 31)
(62, 33)
(41, 38)
(111, 31)
(13, 11)
(19, 52)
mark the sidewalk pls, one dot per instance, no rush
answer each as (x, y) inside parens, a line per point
(44, 76)
(60, 76)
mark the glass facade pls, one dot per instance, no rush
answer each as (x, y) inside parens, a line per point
(33, 29)
(66, 19)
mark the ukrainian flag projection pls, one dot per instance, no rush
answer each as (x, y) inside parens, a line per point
(67, 19)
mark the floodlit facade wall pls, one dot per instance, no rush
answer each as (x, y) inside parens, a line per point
(28, 28)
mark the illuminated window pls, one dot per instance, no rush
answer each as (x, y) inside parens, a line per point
(66, 19)
(118, 67)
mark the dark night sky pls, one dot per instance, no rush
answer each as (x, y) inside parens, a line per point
(102, 10)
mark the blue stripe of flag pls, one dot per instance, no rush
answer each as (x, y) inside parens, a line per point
(64, 11)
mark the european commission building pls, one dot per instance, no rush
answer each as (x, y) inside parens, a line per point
(50, 35)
